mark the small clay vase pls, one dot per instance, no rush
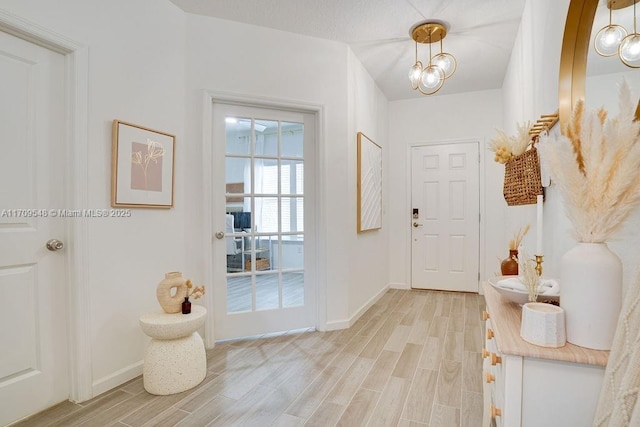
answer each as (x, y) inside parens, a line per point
(509, 266)
(172, 304)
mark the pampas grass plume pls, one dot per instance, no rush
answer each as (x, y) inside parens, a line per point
(596, 165)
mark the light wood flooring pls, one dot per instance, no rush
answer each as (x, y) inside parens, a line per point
(413, 359)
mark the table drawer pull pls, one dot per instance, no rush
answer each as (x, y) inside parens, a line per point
(495, 359)
(490, 333)
(485, 353)
(485, 315)
(489, 377)
(494, 412)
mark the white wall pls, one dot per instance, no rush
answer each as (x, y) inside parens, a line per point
(369, 251)
(471, 116)
(530, 89)
(136, 74)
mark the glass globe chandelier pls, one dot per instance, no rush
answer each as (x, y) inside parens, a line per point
(613, 39)
(428, 80)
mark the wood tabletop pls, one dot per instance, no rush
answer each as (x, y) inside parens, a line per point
(505, 321)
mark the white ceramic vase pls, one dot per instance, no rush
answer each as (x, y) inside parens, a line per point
(591, 294)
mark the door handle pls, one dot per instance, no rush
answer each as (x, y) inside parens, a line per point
(54, 245)
(219, 235)
(416, 225)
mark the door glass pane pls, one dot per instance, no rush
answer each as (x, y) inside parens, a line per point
(238, 175)
(267, 291)
(292, 251)
(292, 177)
(238, 217)
(266, 137)
(238, 293)
(292, 209)
(292, 134)
(267, 212)
(238, 133)
(292, 289)
(266, 176)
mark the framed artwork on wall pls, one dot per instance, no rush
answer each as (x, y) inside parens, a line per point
(369, 184)
(142, 167)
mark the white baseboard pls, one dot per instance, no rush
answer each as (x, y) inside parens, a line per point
(399, 286)
(117, 378)
(347, 323)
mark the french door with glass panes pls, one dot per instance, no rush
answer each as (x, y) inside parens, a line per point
(263, 191)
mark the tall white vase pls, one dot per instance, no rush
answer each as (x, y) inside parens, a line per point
(591, 294)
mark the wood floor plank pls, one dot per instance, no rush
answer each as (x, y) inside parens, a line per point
(473, 338)
(419, 331)
(445, 416)
(346, 387)
(432, 354)
(407, 423)
(208, 413)
(381, 371)
(360, 408)
(233, 412)
(97, 406)
(168, 418)
(398, 338)
(286, 420)
(456, 317)
(408, 362)
(391, 402)
(327, 414)
(51, 415)
(448, 391)
(120, 410)
(313, 396)
(379, 340)
(472, 372)
(453, 348)
(471, 409)
(438, 327)
(421, 396)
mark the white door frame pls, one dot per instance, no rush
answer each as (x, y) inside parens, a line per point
(76, 194)
(208, 98)
(407, 226)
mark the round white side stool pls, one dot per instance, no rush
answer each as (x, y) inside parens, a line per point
(175, 359)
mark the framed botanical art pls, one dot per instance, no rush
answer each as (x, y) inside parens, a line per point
(142, 167)
(369, 184)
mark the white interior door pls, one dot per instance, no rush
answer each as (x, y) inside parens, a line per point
(445, 221)
(264, 218)
(33, 309)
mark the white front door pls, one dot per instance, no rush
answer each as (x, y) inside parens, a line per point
(263, 265)
(33, 308)
(445, 224)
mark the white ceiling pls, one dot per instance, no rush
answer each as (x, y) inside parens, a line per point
(481, 33)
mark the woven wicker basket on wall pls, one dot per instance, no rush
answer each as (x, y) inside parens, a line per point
(522, 181)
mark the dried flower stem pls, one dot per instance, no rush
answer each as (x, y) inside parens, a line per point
(529, 275)
(517, 238)
(596, 165)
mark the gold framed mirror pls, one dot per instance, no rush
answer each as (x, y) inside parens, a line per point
(576, 43)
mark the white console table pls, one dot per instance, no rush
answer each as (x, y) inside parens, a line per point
(528, 386)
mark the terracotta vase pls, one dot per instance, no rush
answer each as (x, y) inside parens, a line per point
(591, 294)
(172, 304)
(509, 266)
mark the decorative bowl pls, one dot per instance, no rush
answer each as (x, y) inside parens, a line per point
(521, 297)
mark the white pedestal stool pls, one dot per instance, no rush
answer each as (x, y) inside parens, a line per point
(175, 359)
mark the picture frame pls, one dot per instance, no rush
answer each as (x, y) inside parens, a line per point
(142, 167)
(369, 184)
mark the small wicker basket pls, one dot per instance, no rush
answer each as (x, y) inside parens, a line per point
(522, 181)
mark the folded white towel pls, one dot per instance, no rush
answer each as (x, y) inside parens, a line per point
(546, 286)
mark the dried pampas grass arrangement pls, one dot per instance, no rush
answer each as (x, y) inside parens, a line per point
(506, 147)
(596, 164)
